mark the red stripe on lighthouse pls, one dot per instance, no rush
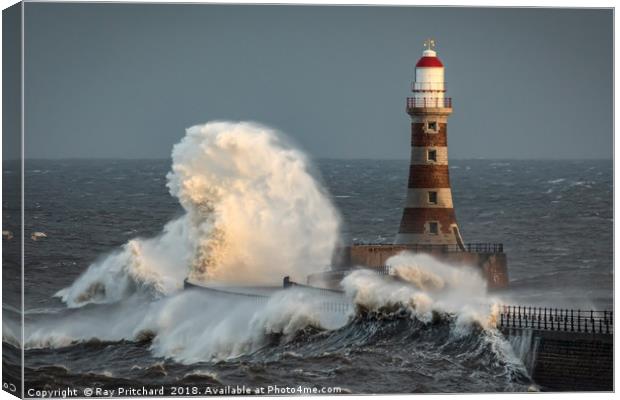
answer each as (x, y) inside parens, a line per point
(428, 176)
(419, 138)
(429, 62)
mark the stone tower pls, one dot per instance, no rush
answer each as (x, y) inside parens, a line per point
(428, 215)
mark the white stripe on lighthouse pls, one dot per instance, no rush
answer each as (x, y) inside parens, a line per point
(419, 198)
(420, 155)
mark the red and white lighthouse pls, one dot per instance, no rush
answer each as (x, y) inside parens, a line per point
(428, 215)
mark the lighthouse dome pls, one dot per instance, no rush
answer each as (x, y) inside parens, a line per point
(429, 59)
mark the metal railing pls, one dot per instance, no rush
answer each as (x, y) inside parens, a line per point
(227, 292)
(288, 283)
(445, 248)
(513, 317)
(323, 305)
(556, 319)
(381, 269)
(484, 247)
(423, 102)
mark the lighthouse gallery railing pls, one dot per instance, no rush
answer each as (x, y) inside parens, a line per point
(433, 102)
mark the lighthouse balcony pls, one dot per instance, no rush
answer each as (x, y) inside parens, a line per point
(417, 103)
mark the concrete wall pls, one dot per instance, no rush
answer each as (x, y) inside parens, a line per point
(566, 361)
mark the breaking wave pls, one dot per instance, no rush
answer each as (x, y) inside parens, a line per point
(253, 214)
(190, 326)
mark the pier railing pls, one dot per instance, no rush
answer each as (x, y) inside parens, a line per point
(328, 305)
(446, 248)
(484, 247)
(556, 319)
(288, 283)
(511, 317)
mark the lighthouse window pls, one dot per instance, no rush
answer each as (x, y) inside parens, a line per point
(432, 197)
(432, 127)
(432, 155)
(433, 228)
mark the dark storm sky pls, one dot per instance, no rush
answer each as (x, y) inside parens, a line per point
(120, 80)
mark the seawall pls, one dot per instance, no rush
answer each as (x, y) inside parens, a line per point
(565, 361)
(563, 350)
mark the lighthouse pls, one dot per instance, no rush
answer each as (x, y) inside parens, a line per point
(428, 215)
(428, 224)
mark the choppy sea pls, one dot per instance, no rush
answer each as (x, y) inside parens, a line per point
(555, 219)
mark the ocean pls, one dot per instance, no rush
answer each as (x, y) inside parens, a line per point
(554, 218)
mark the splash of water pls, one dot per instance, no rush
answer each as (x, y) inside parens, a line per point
(429, 288)
(423, 285)
(253, 214)
(190, 337)
(190, 326)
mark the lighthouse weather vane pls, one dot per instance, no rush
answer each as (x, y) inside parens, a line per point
(429, 44)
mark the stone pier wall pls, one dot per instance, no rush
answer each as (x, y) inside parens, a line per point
(567, 361)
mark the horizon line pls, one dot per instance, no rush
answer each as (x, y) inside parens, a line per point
(320, 158)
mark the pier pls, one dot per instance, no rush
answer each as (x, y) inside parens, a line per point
(563, 349)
